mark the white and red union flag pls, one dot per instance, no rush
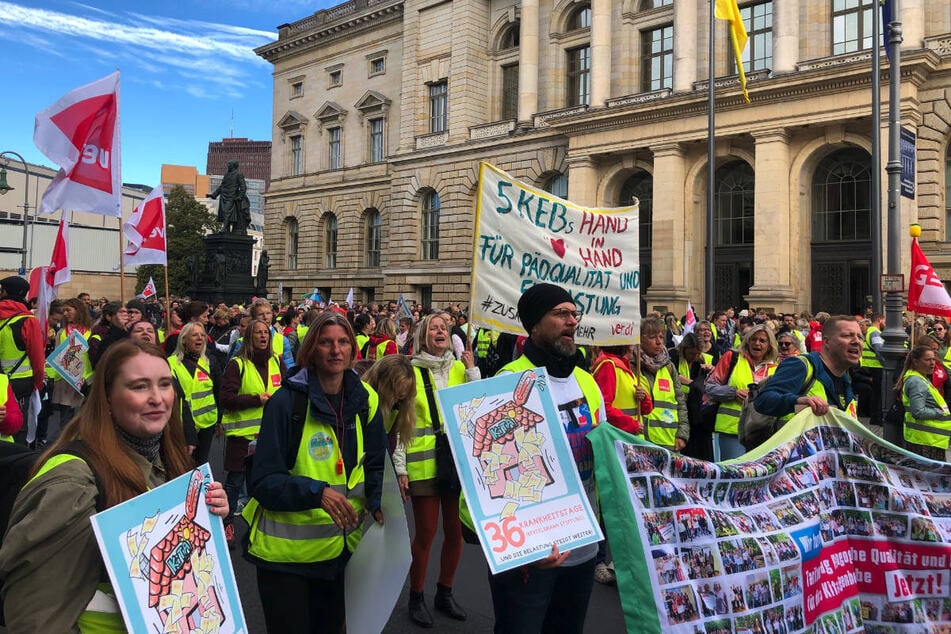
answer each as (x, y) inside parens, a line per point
(145, 231)
(926, 293)
(149, 290)
(58, 272)
(80, 133)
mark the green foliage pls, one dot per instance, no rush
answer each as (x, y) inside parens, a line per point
(187, 222)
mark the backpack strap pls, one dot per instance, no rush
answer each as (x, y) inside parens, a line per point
(431, 398)
(298, 416)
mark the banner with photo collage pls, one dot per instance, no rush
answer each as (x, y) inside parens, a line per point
(826, 528)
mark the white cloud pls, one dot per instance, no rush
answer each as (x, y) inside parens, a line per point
(217, 54)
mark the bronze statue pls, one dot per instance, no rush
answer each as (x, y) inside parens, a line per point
(221, 267)
(263, 264)
(234, 208)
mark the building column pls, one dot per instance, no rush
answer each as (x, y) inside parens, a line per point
(786, 36)
(600, 52)
(773, 225)
(528, 63)
(669, 238)
(582, 181)
(912, 25)
(685, 44)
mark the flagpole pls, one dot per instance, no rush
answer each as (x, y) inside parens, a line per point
(709, 293)
(121, 264)
(168, 304)
(876, 228)
(894, 335)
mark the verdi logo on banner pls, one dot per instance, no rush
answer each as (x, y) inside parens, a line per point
(826, 528)
(525, 236)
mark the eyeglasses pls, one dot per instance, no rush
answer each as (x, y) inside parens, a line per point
(786, 344)
(564, 313)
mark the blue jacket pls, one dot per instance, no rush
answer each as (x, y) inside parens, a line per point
(278, 490)
(778, 397)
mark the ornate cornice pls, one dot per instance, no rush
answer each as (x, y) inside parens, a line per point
(329, 24)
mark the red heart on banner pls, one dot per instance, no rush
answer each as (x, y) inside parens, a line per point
(558, 246)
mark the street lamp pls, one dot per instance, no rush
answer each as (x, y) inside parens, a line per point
(4, 188)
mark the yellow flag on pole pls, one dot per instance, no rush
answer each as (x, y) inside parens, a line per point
(727, 10)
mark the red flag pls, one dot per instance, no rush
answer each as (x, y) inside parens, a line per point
(80, 133)
(926, 292)
(145, 231)
(44, 292)
(58, 271)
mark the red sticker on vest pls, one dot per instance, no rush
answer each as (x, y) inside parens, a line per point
(201, 376)
(276, 380)
(663, 385)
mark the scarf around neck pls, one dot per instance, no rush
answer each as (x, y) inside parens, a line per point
(655, 363)
(148, 448)
(557, 365)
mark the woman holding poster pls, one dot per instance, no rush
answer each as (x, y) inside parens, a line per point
(927, 419)
(317, 474)
(126, 439)
(64, 397)
(417, 470)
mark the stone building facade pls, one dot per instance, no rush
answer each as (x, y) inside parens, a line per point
(383, 110)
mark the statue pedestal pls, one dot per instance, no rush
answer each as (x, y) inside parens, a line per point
(226, 275)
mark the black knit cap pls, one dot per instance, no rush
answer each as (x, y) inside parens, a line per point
(15, 286)
(135, 304)
(537, 301)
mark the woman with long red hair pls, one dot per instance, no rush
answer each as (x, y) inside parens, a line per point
(126, 440)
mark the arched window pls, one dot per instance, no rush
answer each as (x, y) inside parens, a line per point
(842, 197)
(429, 239)
(580, 18)
(292, 233)
(641, 187)
(557, 184)
(374, 236)
(510, 38)
(330, 232)
(734, 204)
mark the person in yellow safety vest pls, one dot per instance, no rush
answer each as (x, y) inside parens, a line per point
(198, 376)
(251, 377)
(927, 426)
(624, 400)
(22, 343)
(383, 341)
(11, 418)
(131, 441)
(872, 366)
(841, 350)
(262, 309)
(363, 326)
(66, 399)
(668, 424)
(415, 461)
(553, 593)
(756, 360)
(315, 484)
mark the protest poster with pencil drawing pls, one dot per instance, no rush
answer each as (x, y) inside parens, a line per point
(168, 560)
(516, 468)
(826, 528)
(525, 235)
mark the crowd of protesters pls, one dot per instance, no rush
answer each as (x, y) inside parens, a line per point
(363, 376)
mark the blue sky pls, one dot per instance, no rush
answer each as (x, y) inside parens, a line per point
(185, 66)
